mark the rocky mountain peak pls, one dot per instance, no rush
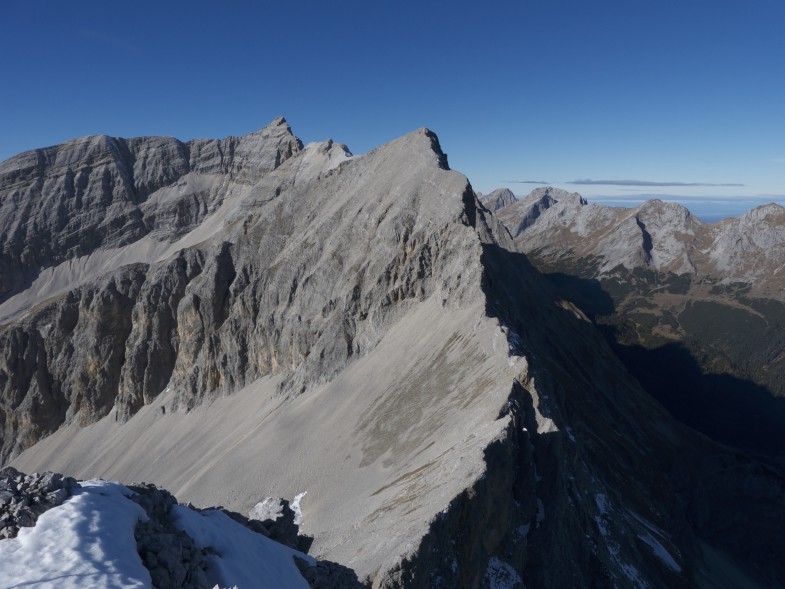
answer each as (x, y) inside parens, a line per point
(426, 142)
(498, 199)
(359, 334)
(522, 214)
(657, 235)
(663, 208)
(771, 214)
(556, 195)
(100, 194)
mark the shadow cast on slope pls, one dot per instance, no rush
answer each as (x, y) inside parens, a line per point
(626, 450)
(727, 409)
(587, 293)
(703, 493)
(589, 432)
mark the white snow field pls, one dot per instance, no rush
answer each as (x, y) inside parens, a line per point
(245, 559)
(88, 541)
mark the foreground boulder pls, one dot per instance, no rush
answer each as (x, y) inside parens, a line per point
(23, 498)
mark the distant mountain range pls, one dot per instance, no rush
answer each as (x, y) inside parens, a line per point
(696, 310)
(250, 317)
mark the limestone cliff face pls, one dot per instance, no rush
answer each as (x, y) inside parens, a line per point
(303, 276)
(66, 201)
(112, 341)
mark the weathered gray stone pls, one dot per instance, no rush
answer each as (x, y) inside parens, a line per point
(113, 342)
(474, 426)
(23, 498)
(166, 551)
(498, 199)
(66, 201)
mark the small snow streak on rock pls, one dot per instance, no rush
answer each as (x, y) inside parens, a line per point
(298, 514)
(660, 552)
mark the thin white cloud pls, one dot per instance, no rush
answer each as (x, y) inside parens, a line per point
(587, 182)
(714, 199)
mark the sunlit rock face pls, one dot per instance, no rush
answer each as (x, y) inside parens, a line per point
(267, 319)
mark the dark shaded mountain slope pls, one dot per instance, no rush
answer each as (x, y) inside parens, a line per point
(695, 310)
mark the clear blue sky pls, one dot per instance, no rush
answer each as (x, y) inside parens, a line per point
(659, 91)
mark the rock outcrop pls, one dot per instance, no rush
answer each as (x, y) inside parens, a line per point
(23, 498)
(171, 556)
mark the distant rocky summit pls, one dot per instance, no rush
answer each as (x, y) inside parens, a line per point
(250, 317)
(498, 199)
(659, 236)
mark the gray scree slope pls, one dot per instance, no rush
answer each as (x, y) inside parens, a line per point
(362, 329)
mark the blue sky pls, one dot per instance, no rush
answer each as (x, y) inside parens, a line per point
(663, 95)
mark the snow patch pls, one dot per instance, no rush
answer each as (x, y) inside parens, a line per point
(660, 552)
(601, 525)
(242, 558)
(614, 550)
(569, 434)
(88, 541)
(267, 509)
(602, 503)
(633, 575)
(500, 575)
(298, 514)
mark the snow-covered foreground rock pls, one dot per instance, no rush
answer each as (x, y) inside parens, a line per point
(244, 558)
(92, 540)
(88, 541)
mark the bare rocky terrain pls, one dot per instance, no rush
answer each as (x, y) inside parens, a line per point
(252, 317)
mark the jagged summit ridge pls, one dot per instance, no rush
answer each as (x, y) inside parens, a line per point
(363, 330)
(662, 236)
(98, 193)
